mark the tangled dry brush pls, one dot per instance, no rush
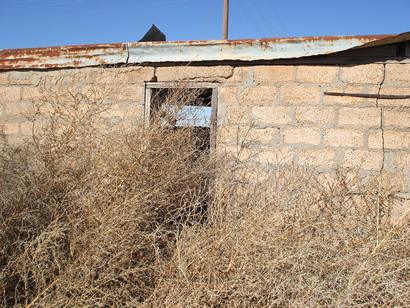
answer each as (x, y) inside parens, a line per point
(142, 217)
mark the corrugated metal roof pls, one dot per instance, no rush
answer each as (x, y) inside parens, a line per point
(64, 56)
(187, 51)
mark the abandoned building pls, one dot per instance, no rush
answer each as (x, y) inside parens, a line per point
(325, 102)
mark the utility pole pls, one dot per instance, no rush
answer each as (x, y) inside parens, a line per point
(226, 19)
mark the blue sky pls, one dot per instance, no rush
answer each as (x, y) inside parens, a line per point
(35, 23)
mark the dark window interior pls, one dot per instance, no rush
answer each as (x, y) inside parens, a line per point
(401, 50)
(203, 97)
(200, 99)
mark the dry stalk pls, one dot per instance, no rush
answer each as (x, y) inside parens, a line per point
(137, 216)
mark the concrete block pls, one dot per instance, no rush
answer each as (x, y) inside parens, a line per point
(10, 94)
(302, 136)
(228, 95)
(32, 93)
(315, 116)
(398, 117)
(11, 128)
(396, 140)
(272, 115)
(339, 137)
(24, 78)
(260, 94)
(395, 91)
(284, 155)
(367, 117)
(250, 135)
(317, 157)
(300, 93)
(273, 73)
(398, 74)
(316, 74)
(4, 78)
(194, 73)
(367, 73)
(349, 100)
(235, 115)
(375, 139)
(367, 160)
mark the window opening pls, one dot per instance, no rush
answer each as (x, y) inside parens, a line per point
(185, 107)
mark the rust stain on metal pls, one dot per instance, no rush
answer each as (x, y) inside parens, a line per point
(365, 38)
(64, 56)
(243, 49)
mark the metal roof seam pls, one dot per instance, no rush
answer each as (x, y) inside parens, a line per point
(128, 53)
(186, 51)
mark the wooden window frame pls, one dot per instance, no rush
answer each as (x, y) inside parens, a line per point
(149, 86)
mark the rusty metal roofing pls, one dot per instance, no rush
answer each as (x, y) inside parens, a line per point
(187, 51)
(64, 56)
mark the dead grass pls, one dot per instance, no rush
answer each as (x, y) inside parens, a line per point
(291, 241)
(140, 216)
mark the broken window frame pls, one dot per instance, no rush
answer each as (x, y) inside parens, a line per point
(150, 86)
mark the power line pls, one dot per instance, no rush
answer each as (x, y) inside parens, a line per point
(151, 3)
(246, 15)
(277, 17)
(43, 5)
(265, 20)
(122, 8)
(15, 2)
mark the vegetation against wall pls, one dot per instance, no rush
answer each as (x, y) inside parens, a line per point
(140, 216)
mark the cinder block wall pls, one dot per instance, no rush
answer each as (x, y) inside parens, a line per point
(120, 88)
(283, 115)
(278, 112)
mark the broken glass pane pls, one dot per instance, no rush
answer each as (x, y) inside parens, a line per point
(198, 116)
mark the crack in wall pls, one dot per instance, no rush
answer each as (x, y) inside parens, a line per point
(383, 148)
(213, 78)
(381, 118)
(128, 53)
(232, 72)
(154, 77)
(380, 207)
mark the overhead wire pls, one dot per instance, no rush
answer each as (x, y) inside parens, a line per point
(262, 16)
(277, 17)
(145, 4)
(150, 3)
(15, 2)
(246, 15)
(33, 7)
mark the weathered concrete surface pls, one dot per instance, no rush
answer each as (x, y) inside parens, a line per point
(284, 108)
